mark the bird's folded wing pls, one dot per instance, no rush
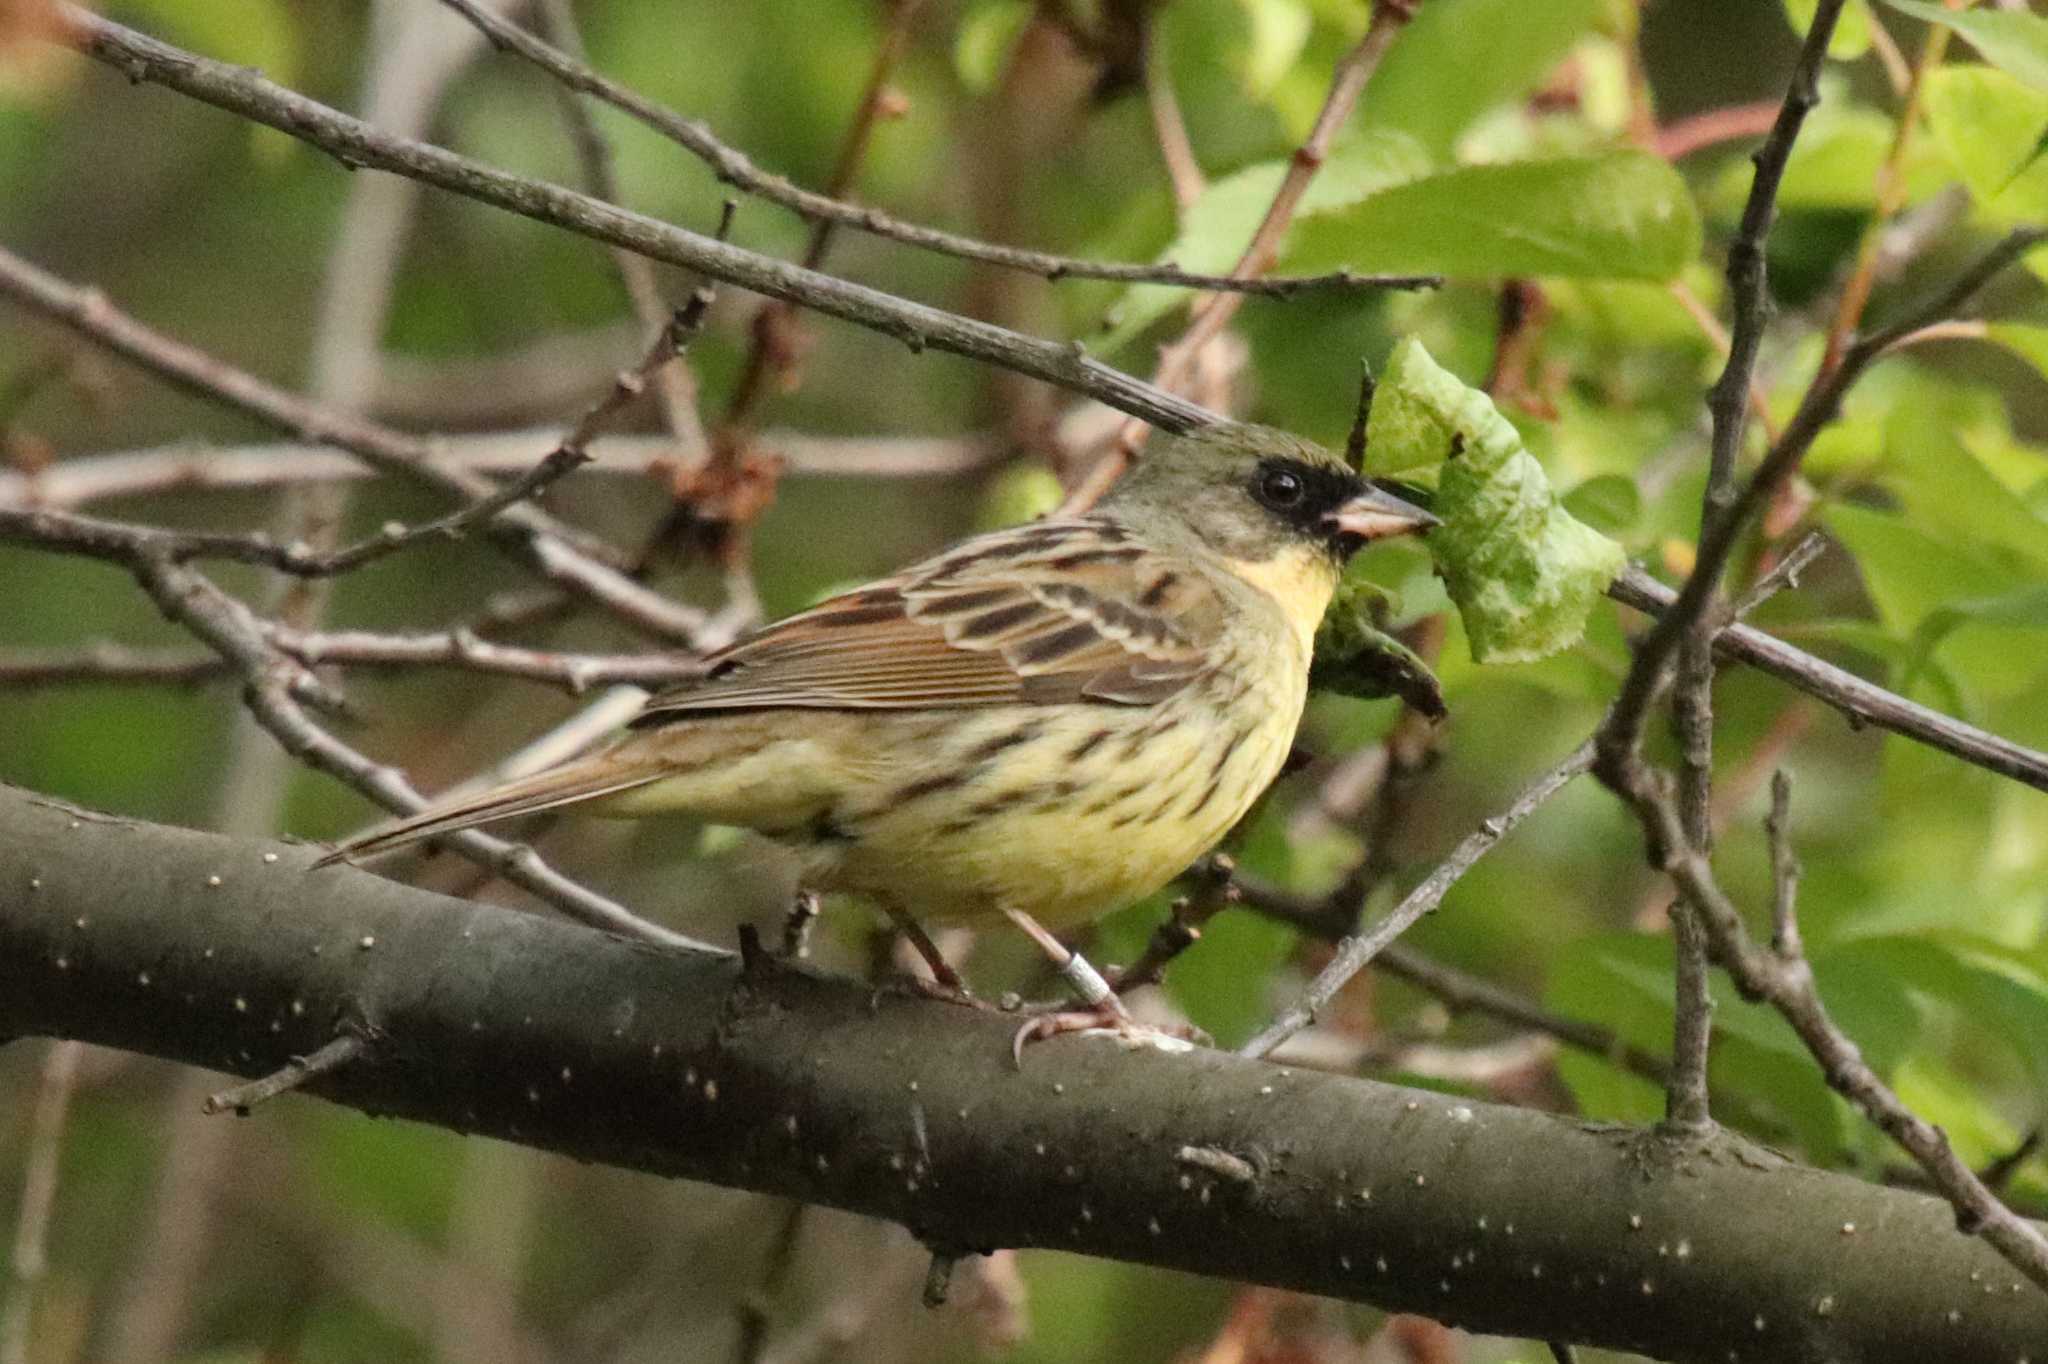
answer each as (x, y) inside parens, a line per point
(1058, 611)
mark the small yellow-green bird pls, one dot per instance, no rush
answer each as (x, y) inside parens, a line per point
(1047, 722)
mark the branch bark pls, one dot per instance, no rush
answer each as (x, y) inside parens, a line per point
(197, 947)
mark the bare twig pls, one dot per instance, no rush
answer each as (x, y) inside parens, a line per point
(1214, 311)
(559, 553)
(1169, 129)
(1784, 574)
(1216, 890)
(1864, 703)
(1786, 983)
(275, 688)
(353, 142)
(570, 453)
(1710, 127)
(773, 346)
(106, 662)
(90, 313)
(1459, 991)
(1815, 411)
(112, 663)
(1727, 403)
(241, 1098)
(30, 1255)
(674, 386)
(733, 168)
(1355, 952)
(756, 1303)
(80, 481)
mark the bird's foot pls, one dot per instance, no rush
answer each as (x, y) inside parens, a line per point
(946, 992)
(1109, 1014)
(1106, 1018)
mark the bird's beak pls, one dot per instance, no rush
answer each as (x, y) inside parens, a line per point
(1374, 514)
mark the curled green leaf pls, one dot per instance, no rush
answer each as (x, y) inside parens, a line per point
(1523, 571)
(1355, 656)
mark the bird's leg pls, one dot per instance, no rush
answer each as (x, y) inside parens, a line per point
(1103, 1009)
(796, 925)
(945, 982)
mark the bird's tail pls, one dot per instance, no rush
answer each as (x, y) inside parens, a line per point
(600, 775)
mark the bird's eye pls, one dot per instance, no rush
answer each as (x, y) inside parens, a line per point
(1280, 488)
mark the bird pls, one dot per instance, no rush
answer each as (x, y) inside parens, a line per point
(1045, 722)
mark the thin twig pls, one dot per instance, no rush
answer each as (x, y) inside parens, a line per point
(1784, 574)
(1787, 985)
(1458, 991)
(355, 143)
(772, 346)
(1784, 870)
(1816, 410)
(1862, 702)
(30, 1257)
(1169, 129)
(107, 662)
(570, 453)
(1214, 311)
(1727, 403)
(80, 481)
(300, 1069)
(275, 687)
(755, 1304)
(90, 313)
(675, 387)
(1216, 890)
(733, 168)
(1355, 952)
(563, 555)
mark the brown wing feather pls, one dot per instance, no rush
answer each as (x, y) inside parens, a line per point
(1057, 611)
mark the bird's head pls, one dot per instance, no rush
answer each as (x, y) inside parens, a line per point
(1259, 496)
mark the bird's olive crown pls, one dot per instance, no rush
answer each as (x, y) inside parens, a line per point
(1249, 492)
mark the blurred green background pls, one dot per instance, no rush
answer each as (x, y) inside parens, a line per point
(312, 1233)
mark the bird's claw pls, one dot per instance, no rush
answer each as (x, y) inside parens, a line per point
(945, 993)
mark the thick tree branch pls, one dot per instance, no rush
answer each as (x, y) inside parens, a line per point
(200, 948)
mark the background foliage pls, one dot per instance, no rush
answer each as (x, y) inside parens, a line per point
(1501, 140)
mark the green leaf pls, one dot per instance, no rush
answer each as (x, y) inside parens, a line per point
(1220, 224)
(1624, 215)
(1908, 572)
(2008, 39)
(1990, 127)
(1524, 573)
(1990, 984)
(984, 41)
(2024, 608)
(262, 34)
(1610, 503)
(1279, 32)
(1851, 38)
(1355, 656)
(2029, 343)
(1499, 50)
(1625, 982)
